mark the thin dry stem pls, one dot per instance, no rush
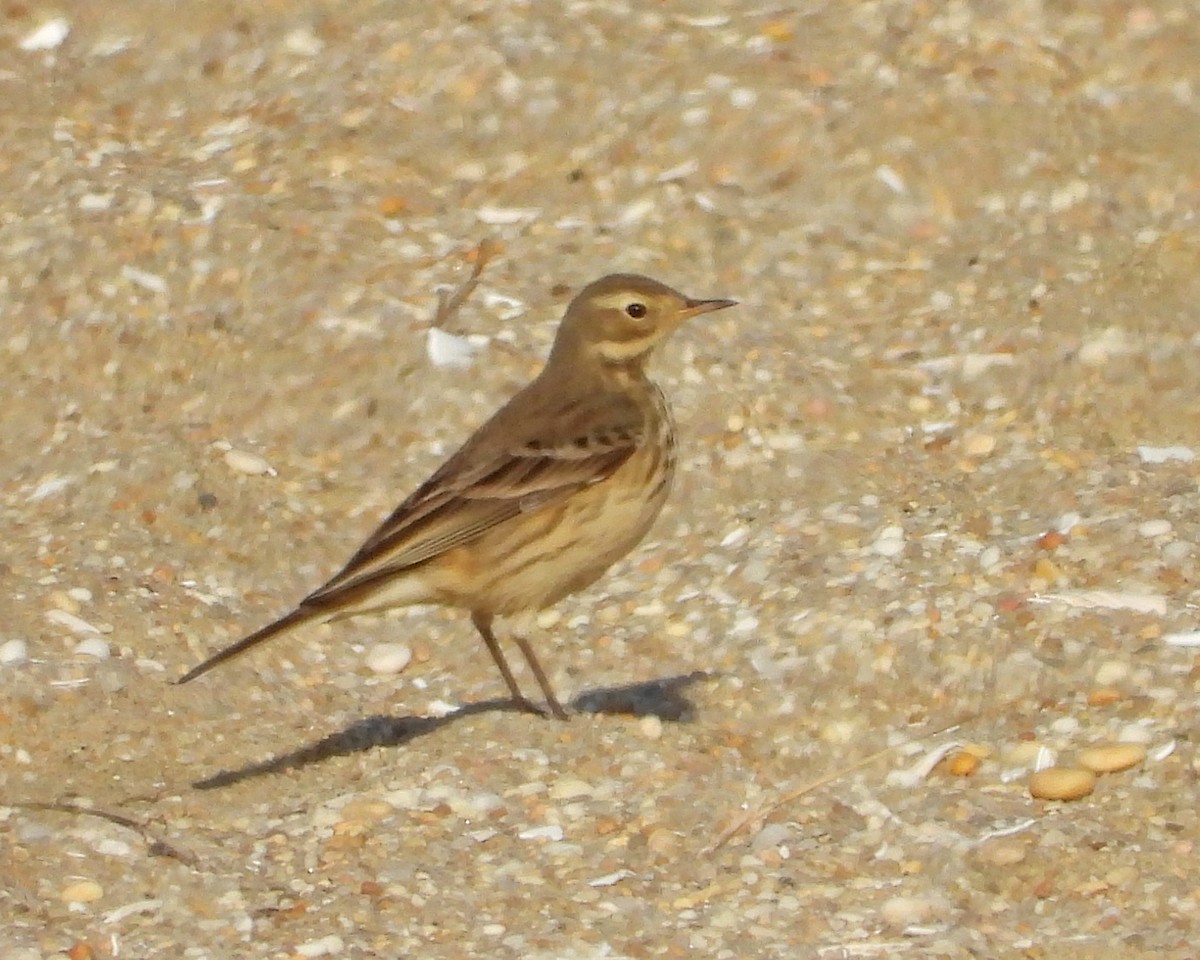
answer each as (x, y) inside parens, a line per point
(759, 817)
(450, 303)
(156, 846)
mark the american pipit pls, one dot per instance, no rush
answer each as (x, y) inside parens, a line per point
(563, 481)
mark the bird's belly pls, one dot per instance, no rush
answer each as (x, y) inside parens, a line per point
(537, 559)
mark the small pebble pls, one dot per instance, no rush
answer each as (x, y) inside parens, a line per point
(907, 911)
(979, 444)
(1154, 528)
(962, 764)
(1135, 733)
(251, 464)
(551, 832)
(1064, 726)
(651, 726)
(61, 600)
(368, 809)
(1003, 853)
(840, 731)
(1104, 697)
(329, 946)
(387, 658)
(570, 789)
(1111, 672)
(1102, 347)
(303, 42)
(890, 542)
(1123, 876)
(1177, 551)
(13, 652)
(111, 847)
(662, 840)
(1111, 757)
(93, 647)
(84, 891)
(771, 836)
(1061, 783)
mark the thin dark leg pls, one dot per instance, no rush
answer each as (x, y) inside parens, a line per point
(543, 681)
(483, 624)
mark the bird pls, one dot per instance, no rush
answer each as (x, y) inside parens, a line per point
(560, 483)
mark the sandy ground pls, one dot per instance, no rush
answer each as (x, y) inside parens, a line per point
(937, 501)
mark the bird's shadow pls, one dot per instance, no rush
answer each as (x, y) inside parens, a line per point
(663, 698)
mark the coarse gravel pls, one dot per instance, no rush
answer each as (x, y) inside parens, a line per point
(934, 531)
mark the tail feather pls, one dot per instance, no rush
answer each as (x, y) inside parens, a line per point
(297, 616)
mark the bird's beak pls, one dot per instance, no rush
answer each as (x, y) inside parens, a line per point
(696, 307)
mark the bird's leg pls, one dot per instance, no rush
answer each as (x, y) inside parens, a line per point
(483, 623)
(556, 708)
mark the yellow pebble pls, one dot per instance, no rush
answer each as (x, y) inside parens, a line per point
(83, 891)
(962, 764)
(1111, 757)
(1061, 783)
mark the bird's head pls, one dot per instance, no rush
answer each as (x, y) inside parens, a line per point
(618, 320)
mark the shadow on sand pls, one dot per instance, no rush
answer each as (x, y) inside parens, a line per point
(661, 698)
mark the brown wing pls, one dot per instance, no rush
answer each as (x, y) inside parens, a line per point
(486, 484)
(514, 464)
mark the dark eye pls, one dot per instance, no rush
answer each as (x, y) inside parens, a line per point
(636, 310)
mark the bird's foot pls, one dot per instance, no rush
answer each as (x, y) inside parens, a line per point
(552, 709)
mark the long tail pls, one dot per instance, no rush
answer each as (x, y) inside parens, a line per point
(299, 615)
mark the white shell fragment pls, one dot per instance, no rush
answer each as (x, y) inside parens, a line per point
(328, 946)
(1162, 751)
(506, 216)
(145, 279)
(551, 831)
(913, 775)
(96, 647)
(71, 622)
(1045, 759)
(303, 42)
(1108, 600)
(611, 878)
(890, 179)
(679, 171)
(1155, 528)
(49, 487)
(242, 461)
(388, 658)
(1166, 454)
(49, 36)
(130, 909)
(447, 350)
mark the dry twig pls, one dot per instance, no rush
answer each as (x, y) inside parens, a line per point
(450, 303)
(760, 816)
(156, 846)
